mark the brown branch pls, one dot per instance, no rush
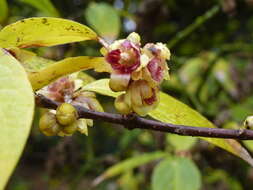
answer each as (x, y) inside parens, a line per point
(133, 121)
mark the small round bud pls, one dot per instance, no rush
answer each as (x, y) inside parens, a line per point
(70, 129)
(48, 124)
(248, 123)
(121, 105)
(66, 114)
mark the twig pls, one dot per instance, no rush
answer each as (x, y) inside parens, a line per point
(133, 121)
(196, 24)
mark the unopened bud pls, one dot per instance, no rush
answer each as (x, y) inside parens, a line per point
(248, 123)
(66, 114)
(121, 105)
(48, 124)
(70, 129)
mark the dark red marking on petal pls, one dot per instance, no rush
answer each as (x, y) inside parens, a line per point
(152, 99)
(155, 70)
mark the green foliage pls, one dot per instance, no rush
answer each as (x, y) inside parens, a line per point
(16, 113)
(181, 143)
(104, 19)
(3, 10)
(130, 164)
(176, 173)
(44, 6)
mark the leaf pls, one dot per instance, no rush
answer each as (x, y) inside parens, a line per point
(173, 111)
(16, 113)
(104, 19)
(3, 10)
(44, 6)
(66, 66)
(181, 143)
(213, 177)
(176, 174)
(44, 31)
(30, 61)
(242, 109)
(101, 86)
(221, 71)
(129, 164)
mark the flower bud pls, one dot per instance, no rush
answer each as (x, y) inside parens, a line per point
(70, 129)
(48, 124)
(248, 123)
(66, 114)
(121, 105)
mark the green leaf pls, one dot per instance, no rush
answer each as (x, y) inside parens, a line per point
(44, 6)
(130, 164)
(3, 10)
(176, 174)
(44, 31)
(221, 71)
(16, 113)
(104, 19)
(173, 111)
(181, 143)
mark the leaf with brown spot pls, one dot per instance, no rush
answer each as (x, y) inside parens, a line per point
(44, 31)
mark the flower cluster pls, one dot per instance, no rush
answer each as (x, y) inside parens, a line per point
(64, 121)
(138, 71)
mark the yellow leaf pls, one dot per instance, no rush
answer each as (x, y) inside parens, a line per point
(70, 65)
(102, 87)
(16, 113)
(30, 61)
(44, 31)
(173, 111)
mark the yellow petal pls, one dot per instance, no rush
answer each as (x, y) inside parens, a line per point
(136, 98)
(121, 105)
(119, 82)
(82, 126)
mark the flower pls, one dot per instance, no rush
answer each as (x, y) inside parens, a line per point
(124, 56)
(66, 90)
(139, 98)
(137, 71)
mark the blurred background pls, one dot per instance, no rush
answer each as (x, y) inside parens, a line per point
(211, 71)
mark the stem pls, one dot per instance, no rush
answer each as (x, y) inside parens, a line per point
(132, 121)
(195, 25)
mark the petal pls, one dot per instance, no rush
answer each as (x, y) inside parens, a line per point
(142, 110)
(146, 90)
(136, 75)
(119, 82)
(147, 76)
(165, 52)
(121, 105)
(82, 126)
(134, 38)
(113, 58)
(155, 69)
(136, 98)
